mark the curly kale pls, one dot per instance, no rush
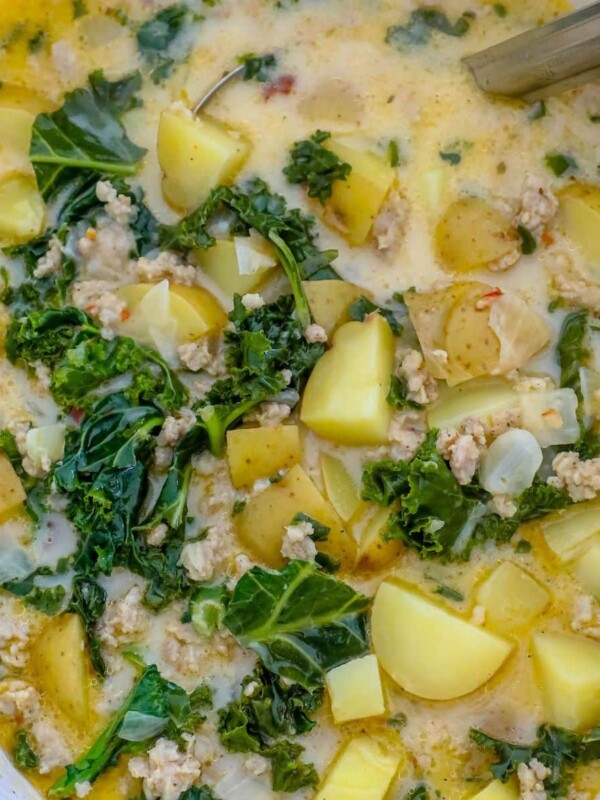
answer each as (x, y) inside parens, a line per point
(316, 166)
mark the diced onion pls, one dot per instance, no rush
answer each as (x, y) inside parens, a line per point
(45, 443)
(510, 464)
(252, 255)
(551, 416)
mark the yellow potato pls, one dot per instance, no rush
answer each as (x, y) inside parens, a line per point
(115, 784)
(568, 531)
(329, 302)
(473, 348)
(12, 493)
(579, 218)
(587, 569)
(570, 670)
(480, 397)
(22, 210)
(512, 599)
(59, 659)
(373, 553)
(473, 234)
(261, 523)
(356, 202)
(355, 690)
(196, 154)
(254, 453)
(341, 490)
(202, 302)
(15, 137)
(222, 265)
(345, 398)
(428, 650)
(496, 790)
(363, 770)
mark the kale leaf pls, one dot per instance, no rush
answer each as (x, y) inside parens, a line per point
(421, 24)
(258, 68)
(559, 749)
(198, 793)
(397, 396)
(156, 37)
(23, 755)
(154, 707)
(207, 608)
(86, 133)
(88, 600)
(299, 620)
(363, 306)
(50, 600)
(254, 206)
(316, 166)
(267, 710)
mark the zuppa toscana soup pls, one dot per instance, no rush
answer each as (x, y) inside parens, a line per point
(300, 453)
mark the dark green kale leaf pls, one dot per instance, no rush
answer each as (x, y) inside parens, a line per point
(258, 68)
(363, 306)
(45, 335)
(320, 532)
(198, 793)
(155, 707)
(528, 242)
(254, 206)
(257, 721)
(49, 600)
(23, 755)
(559, 749)
(157, 40)
(299, 620)
(421, 24)
(89, 602)
(397, 396)
(419, 792)
(207, 608)
(316, 166)
(86, 133)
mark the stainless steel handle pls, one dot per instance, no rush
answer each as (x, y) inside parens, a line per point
(544, 61)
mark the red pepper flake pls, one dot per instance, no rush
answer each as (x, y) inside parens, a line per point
(547, 238)
(77, 414)
(281, 85)
(125, 314)
(487, 299)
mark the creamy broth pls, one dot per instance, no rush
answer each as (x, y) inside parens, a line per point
(414, 113)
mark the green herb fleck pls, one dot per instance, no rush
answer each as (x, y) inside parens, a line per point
(393, 153)
(537, 111)
(449, 593)
(528, 242)
(523, 546)
(560, 163)
(23, 756)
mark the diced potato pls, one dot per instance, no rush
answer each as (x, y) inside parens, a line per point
(363, 770)
(262, 522)
(473, 348)
(432, 188)
(428, 650)
(22, 210)
(579, 218)
(329, 302)
(472, 234)
(356, 202)
(570, 670)
(373, 553)
(551, 416)
(196, 154)
(60, 661)
(496, 790)
(566, 531)
(254, 453)
(345, 398)
(161, 312)
(221, 263)
(12, 493)
(512, 599)
(587, 569)
(115, 783)
(481, 397)
(355, 690)
(341, 490)
(15, 138)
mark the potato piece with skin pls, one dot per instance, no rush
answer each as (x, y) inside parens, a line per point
(262, 522)
(579, 218)
(363, 770)
(59, 659)
(373, 552)
(428, 650)
(587, 569)
(222, 265)
(345, 397)
(22, 210)
(329, 302)
(496, 790)
(341, 490)
(12, 494)
(354, 203)
(567, 532)
(254, 453)
(196, 154)
(481, 397)
(570, 670)
(355, 690)
(473, 348)
(472, 234)
(512, 599)
(15, 138)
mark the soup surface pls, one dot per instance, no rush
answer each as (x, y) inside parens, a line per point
(299, 419)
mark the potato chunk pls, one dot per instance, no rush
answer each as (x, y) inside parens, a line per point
(570, 670)
(587, 569)
(481, 397)
(195, 155)
(223, 263)
(255, 453)
(329, 302)
(262, 522)
(22, 210)
(355, 690)
(496, 790)
(341, 490)
(356, 202)
(429, 651)
(12, 493)
(472, 234)
(566, 532)
(472, 346)
(59, 659)
(362, 770)
(512, 599)
(579, 218)
(373, 552)
(345, 398)
(15, 138)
